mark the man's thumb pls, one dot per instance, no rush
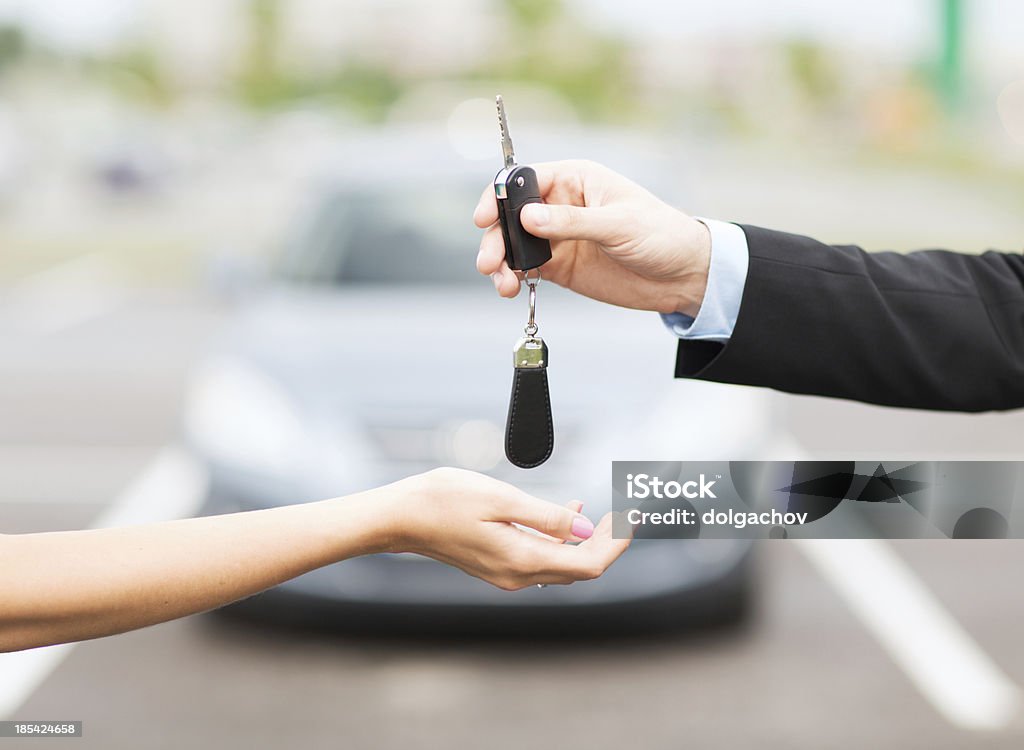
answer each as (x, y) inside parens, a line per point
(560, 222)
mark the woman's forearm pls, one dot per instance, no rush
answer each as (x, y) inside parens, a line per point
(73, 585)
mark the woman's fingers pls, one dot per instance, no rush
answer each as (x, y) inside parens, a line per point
(540, 561)
(602, 549)
(589, 559)
(547, 518)
(503, 535)
(575, 506)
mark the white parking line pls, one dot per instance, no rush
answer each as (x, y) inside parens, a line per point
(959, 679)
(171, 486)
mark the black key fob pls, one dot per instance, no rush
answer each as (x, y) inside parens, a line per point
(514, 188)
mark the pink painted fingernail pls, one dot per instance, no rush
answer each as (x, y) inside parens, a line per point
(582, 528)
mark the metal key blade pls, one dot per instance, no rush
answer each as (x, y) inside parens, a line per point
(506, 141)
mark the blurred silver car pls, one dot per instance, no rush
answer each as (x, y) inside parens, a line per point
(375, 351)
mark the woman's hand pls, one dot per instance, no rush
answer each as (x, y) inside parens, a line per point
(466, 520)
(610, 240)
(70, 585)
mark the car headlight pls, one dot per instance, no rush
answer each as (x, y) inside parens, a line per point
(237, 415)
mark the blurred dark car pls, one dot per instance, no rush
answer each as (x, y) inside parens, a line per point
(375, 351)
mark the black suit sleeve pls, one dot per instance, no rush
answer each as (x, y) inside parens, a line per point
(927, 330)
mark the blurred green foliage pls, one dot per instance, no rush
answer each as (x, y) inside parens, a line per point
(266, 83)
(813, 71)
(605, 75)
(534, 13)
(543, 43)
(949, 71)
(260, 82)
(547, 45)
(13, 45)
(135, 73)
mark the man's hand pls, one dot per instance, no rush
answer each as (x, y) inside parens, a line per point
(466, 520)
(610, 240)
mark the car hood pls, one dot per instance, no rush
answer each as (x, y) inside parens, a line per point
(399, 371)
(370, 351)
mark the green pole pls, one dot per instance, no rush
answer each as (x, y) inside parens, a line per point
(950, 71)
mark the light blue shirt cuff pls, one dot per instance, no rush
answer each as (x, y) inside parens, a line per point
(727, 276)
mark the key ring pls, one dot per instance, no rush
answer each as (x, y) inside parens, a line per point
(531, 325)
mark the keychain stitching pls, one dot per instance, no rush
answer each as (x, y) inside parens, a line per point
(512, 421)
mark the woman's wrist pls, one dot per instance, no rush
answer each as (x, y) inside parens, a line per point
(371, 522)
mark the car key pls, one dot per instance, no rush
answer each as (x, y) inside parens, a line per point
(529, 429)
(514, 187)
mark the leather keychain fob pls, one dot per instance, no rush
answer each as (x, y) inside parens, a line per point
(529, 430)
(514, 187)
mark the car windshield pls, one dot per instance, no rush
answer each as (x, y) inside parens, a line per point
(394, 237)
